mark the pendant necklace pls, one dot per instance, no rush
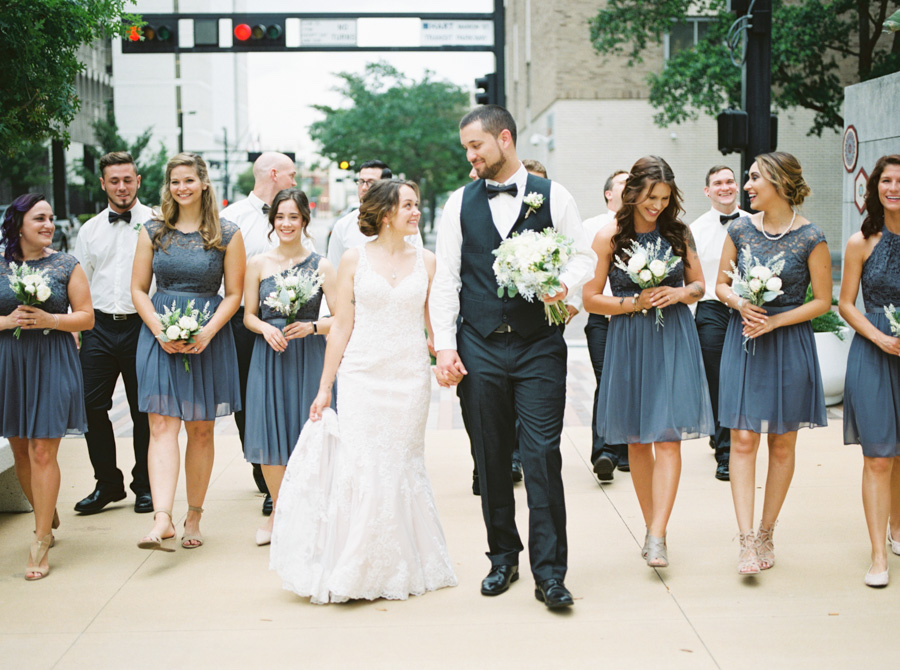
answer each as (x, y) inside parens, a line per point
(783, 233)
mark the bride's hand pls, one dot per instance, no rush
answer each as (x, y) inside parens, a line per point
(322, 401)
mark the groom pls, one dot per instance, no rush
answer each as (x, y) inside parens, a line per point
(507, 360)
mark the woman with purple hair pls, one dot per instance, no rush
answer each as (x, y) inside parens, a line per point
(41, 393)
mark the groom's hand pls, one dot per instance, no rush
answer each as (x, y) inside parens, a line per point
(449, 369)
(556, 297)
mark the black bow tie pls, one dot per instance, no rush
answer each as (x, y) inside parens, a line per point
(266, 208)
(124, 216)
(493, 190)
(725, 218)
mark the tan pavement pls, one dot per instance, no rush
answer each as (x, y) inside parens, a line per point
(107, 604)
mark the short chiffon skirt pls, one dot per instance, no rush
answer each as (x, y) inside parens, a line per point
(653, 387)
(211, 387)
(872, 395)
(774, 384)
(41, 388)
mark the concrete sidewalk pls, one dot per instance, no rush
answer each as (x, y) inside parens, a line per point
(107, 604)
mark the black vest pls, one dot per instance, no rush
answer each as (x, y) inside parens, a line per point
(478, 302)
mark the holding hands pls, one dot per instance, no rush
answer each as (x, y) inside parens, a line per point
(449, 369)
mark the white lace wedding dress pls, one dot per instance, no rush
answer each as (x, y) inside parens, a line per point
(356, 517)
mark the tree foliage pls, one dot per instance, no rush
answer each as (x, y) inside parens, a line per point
(410, 125)
(39, 42)
(150, 165)
(25, 169)
(818, 47)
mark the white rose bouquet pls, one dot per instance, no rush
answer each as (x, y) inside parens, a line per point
(182, 326)
(648, 266)
(29, 286)
(755, 281)
(293, 289)
(893, 319)
(529, 264)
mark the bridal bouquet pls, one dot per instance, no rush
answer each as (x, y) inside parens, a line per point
(293, 289)
(29, 286)
(755, 281)
(647, 266)
(182, 326)
(893, 320)
(529, 264)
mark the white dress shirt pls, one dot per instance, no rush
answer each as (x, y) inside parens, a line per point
(347, 235)
(106, 253)
(592, 226)
(709, 236)
(505, 208)
(254, 224)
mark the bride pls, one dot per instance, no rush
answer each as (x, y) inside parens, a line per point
(356, 517)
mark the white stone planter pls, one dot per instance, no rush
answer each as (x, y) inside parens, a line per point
(832, 352)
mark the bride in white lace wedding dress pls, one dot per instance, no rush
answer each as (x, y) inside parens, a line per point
(356, 517)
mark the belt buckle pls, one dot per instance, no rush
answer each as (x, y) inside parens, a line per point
(120, 317)
(503, 329)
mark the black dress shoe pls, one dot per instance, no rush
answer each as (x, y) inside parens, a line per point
(259, 480)
(476, 485)
(499, 579)
(143, 503)
(722, 473)
(267, 506)
(99, 498)
(604, 468)
(516, 471)
(553, 593)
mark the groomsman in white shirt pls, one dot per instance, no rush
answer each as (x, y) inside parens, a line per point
(272, 172)
(346, 234)
(105, 248)
(604, 457)
(711, 317)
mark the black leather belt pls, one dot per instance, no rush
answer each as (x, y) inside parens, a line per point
(505, 328)
(115, 317)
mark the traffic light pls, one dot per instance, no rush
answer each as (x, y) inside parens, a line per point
(344, 165)
(487, 95)
(158, 36)
(257, 32)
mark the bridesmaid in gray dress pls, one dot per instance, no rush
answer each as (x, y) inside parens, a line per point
(872, 388)
(41, 392)
(287, 358)
(189, 251)
(773, 385)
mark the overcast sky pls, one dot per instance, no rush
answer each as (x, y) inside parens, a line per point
(280, 120)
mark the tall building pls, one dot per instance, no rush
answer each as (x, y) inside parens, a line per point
(585, 116)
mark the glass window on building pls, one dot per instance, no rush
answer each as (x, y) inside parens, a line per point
(686, 34)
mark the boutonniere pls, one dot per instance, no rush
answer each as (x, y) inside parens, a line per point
(137, 227)
(534, 202)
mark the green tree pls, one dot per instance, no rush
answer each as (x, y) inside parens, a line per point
(150, 165)
(39, 42)
(410, 125)
(818, 47)
(25, 169)
(245, 181)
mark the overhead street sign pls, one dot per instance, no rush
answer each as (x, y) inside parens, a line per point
(457, 33)
(326, 32)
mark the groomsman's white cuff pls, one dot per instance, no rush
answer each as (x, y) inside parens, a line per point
(442, 341)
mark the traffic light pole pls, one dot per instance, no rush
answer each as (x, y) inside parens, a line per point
(500, 51)
(756, 88)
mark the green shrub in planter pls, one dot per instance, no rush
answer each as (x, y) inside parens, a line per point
(829, 322)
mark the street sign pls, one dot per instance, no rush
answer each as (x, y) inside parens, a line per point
(859, 190)
(327, 33)
(457, 33)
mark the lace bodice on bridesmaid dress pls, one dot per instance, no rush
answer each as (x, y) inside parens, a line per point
(309, 311)
(881, 273)
(185, 266)
(58, 269)
(621, 283)
(797, 245)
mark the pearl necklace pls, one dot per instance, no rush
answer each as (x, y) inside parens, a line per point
(783, 233)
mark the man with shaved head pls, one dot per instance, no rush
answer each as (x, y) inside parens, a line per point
(272, 172)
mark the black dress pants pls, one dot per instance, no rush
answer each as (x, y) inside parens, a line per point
(712, 322)
(107, 351)
(509, 378)
(595, 331)
(243, 342)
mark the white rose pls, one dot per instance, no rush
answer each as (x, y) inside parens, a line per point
(291, 281)
(173, 332)
(636, 263)
(43, 292)
(645, 275)
(185, 322)
(292, 295)
(32, 279)
(761, 272)
(658, 268)
(192, 324)
(29, 289)
(755, 285)
(184, 334)
(774, 284)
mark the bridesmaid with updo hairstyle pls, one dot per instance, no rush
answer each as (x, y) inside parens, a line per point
(872, 388)
(769, 380)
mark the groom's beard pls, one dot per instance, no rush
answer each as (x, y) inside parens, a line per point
(492, 170)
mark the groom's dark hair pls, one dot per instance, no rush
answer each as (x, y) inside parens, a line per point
(494, 119)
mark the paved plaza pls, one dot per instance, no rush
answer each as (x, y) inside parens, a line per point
(107, 604)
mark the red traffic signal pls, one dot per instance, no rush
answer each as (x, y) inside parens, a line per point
(259, 33)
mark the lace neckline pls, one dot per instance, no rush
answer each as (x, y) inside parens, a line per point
(365, 255)
(288, 269)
